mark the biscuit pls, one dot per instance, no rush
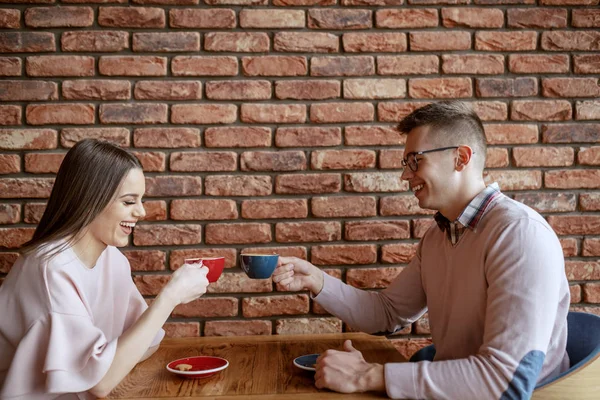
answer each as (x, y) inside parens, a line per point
(184, 367)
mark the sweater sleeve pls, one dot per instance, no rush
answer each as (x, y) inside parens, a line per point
(524, 269)
(402, 303)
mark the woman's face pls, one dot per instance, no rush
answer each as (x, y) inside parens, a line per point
(115, 223)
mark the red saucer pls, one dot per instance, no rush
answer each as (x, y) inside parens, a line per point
(202, 366)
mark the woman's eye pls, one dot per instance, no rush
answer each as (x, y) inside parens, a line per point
(129, 203)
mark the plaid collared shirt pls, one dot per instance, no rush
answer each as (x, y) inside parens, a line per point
(470, 216)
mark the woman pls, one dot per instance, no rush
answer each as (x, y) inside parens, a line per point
(74, 324)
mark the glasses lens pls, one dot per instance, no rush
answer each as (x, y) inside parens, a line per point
(412, 162)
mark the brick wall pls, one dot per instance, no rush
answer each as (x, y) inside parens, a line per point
(267, 125)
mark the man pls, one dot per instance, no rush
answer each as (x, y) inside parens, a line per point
(490, 273)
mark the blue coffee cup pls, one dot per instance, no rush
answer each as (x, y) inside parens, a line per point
(259, 266)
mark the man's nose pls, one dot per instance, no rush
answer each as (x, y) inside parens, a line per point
(406, 174)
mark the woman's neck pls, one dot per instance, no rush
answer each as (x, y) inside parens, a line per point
(88, 250)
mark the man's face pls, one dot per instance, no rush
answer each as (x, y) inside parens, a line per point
(433, 183)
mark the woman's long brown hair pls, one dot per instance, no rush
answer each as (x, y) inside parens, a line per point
(87, 181)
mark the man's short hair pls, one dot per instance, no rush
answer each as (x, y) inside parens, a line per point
(452, 123)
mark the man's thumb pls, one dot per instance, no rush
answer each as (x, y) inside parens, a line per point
(348, 346)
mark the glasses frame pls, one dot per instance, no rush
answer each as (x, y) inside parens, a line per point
(413, 154)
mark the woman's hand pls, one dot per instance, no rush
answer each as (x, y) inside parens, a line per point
(187, 284)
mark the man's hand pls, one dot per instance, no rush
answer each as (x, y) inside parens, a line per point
(347, 371)
(296, 274)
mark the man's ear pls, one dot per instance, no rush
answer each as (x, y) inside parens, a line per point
(463, 157)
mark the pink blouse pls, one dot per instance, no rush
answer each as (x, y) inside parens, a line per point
(61, 321)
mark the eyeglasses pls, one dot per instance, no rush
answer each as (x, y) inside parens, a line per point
(411, 161)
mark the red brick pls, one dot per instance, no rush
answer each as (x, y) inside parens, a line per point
(496, 158)
(343, 206)
(374, 182)
(341, 112)
(155, 210)
(536, 17)
(572, 179)
(28, 90)
(570, 87)
(167, 235)
(398, 253)
(204, 66)
(421, 225)
(543, 156)
(166, 42)
(571, 133)
(238, 90)
(587, 63)
(203, 161)
(374, 88)
(407, 18)
(273, 113)
(588, 156)
(491, 110)
(152, 161)
(208, 307)
(150, 285)
(473, 64)
(165, 2)
(439, 41)
(307, 89)
(271, 19)
(118, 136)
(372, 278)
(342, 66)
(237, 328)
(396, 111)
(132, 65)
(472, 17)
(538, 63)
(587, 110)
(306, 42)
(313, 231)
(10, 214)
(274, 209)
(95, 41)
(571, 41)
(17, 188)
(10, 19)
(170, 186)
(575, 291)
(343, 159)
(500, 87)
(203, 113)
(357, 254)
(306, 326)
(96, 89)
(181, 329)
(292, 3)
(339, 19)
(591, 247)
(237, 136)
(177, 259)
(10, 115)
(33, 212)
(60, 66)
(541, 110)
(203, 209)
(289, 251)
(548, 202)
(570, 247)
(28, 139)
(10, 164)
(370, 2)
(505, 41)
(27, 42)
(391, 159)
(85, 1)
(70, 114)
(238, 185)
(440, 88)
(582, 270)
(273, 161)
(263, 306)
(202, 19)
(422, 325)
(373, 135)
(515, 180)
(239, 233)
(131, 17)
(589, 201)
(308, 137)
(59, 17)
(407, 65)
(376, 230)
(10, 66)
(146, 260)
(43, 163)
(307, 183)
(591, 293)
(13, 238)
(168, 90)
(245, 42)
(401, 205)
(582, 18)
(140, 113)
(6, 261)
(274, 66)
(240, 283)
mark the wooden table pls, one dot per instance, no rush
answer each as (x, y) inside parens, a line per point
(260, 367)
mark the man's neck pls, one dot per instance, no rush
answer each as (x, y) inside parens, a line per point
(464, 196)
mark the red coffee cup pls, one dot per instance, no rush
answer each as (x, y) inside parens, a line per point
(215, 266)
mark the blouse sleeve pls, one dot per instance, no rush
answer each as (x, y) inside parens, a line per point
(137, 306)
